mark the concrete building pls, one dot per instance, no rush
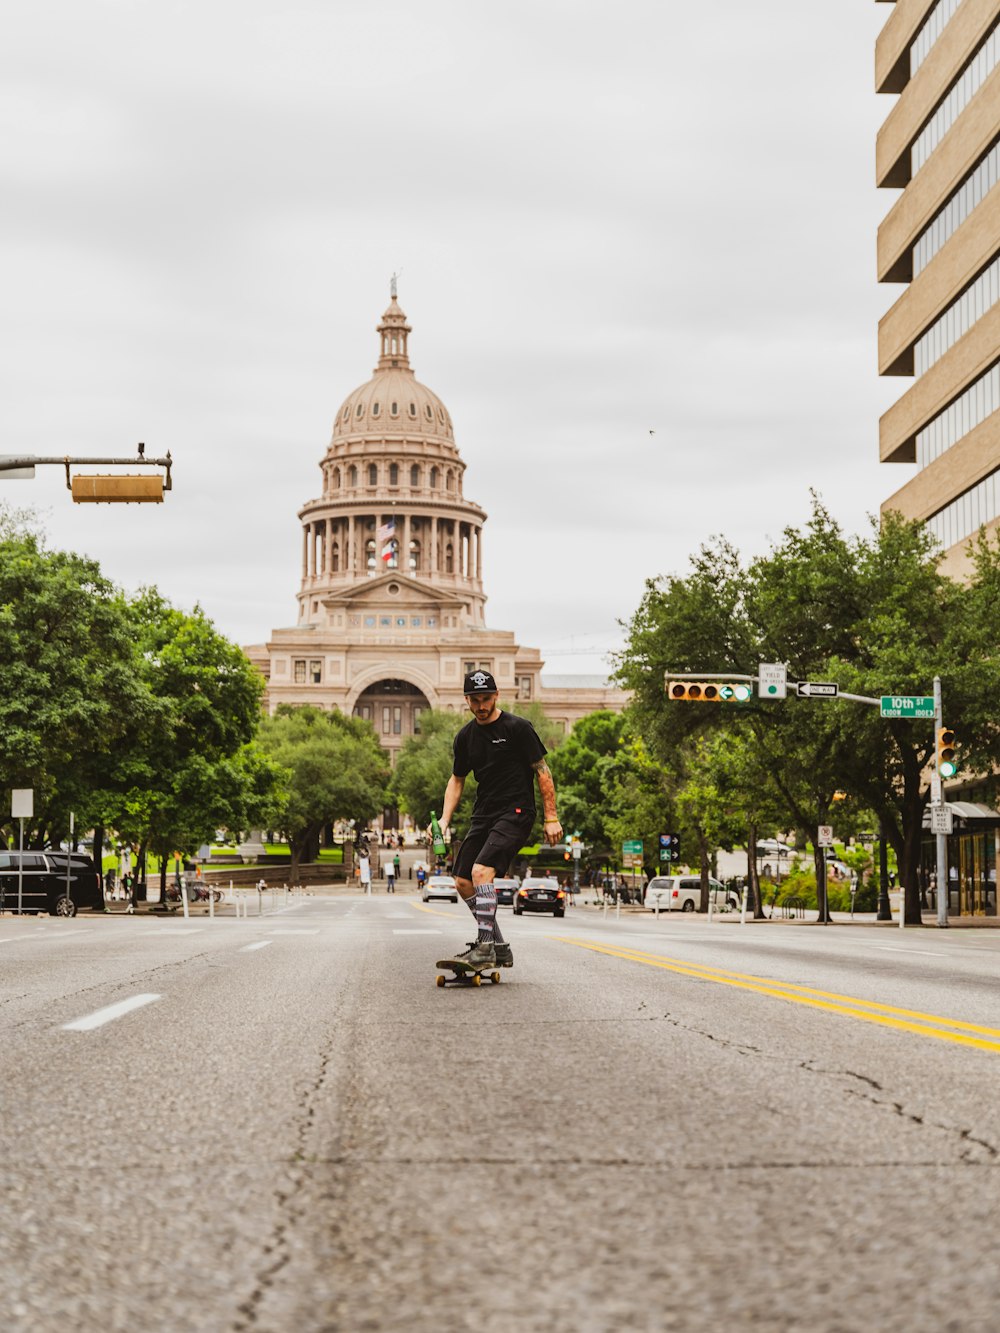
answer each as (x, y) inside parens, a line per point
(940, 144)
(391, 602)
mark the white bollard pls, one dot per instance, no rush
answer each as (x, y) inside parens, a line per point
(711, 902)
(184, 899)
(743, 907)
(902, 907)
(656, 909)
(618, 907)
(211, 901)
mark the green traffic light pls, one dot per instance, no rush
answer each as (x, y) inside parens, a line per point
(947, 769)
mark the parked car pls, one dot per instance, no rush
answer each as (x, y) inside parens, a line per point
(506, 889)
(540, 895)
(440, 886)
(682, 893)
(43, 882)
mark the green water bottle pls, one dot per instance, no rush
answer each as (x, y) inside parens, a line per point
(437, 837)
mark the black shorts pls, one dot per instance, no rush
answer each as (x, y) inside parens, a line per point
(493, 842)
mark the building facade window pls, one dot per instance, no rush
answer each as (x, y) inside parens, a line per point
(967, 512)
(414, 561)
(413, 409)
(947, 221)
(414, 476)
(316, 671)
(394, 410)
(352, 475)
(370, 555)
(434, 479)
(958, 319)
(978, 402)
(934, 26)
(958, 97)
(393, 474)
(299, 671)
(372, 475)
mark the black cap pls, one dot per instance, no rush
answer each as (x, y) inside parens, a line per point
(479, 682)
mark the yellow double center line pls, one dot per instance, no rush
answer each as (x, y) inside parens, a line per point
(868, 1011)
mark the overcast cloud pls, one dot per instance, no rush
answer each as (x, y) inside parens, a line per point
(609, 220)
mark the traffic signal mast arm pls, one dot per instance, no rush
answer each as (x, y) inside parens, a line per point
(670, 677)
(106, 487)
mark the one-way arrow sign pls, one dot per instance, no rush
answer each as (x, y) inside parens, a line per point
(817, 689)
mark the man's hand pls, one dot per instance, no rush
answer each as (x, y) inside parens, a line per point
(552, 831)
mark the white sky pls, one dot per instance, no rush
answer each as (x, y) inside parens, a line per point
(609, 219)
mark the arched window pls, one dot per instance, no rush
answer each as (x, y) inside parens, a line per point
(450, 481)
(414, 476)
(347, 411)
(394, 409)
(376, 409)
(393, 474)
(449, 559)
(413, 409)
(335, 479)
(360, 411)
(372, 475)
(335, 557)
(352, 475)
(390, 555)
(414, 556)
(434, 478)
(370, 555)
(427, 412)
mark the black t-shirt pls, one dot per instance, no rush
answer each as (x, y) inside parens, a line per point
(501, 755)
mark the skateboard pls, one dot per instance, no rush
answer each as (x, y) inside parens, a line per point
(465, 975)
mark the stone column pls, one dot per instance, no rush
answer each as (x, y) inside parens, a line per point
(479, 553)
(404, 552)
(349, 563)
(432, 546)
(305, 550)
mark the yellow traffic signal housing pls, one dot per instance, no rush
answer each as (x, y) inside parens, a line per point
(947, 765)
(118, 489)
(709, 692)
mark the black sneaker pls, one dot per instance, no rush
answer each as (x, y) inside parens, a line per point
(504, 954)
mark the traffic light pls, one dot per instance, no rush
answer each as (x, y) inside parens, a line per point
(946, 765)
(670, 847)
(711, 692)
(117, 489)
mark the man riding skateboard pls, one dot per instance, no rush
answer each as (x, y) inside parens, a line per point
(505, 753)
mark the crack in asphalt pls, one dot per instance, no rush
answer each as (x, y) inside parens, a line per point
(966, 1136)
(633, 1163)
(276, 1252)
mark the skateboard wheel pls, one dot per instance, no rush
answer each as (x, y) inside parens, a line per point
(477, 979)
(440, 978)
(494, 977)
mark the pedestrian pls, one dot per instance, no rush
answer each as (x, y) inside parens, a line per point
(396, 863)
(365, 869)
(390, 877)
(506, 755)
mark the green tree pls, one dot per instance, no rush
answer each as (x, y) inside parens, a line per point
(334, 768)
(873, 613)
(425, 765)
(71, 695)
(196, 767)
(584, 770)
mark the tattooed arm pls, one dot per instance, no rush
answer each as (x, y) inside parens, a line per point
(552, 828)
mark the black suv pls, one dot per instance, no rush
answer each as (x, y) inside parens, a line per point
(43, 882)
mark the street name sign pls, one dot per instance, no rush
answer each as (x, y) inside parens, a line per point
(772, 680)
(906, 705)
(817, 689)
(632, 853)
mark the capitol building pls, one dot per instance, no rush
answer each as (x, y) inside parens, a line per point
(391, 603)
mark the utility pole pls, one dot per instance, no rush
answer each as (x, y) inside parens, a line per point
(940, 837)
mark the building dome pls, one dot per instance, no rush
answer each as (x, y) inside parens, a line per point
(393, 402)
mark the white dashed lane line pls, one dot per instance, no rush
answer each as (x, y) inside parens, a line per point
(261, 944)
(417, 931)
(113, 1011)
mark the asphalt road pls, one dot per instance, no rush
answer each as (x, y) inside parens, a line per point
(647, 1125)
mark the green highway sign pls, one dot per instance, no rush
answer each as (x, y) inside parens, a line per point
(632, 848)
(907, 705)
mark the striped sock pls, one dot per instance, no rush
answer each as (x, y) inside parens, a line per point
(486, 912)
(473, 908)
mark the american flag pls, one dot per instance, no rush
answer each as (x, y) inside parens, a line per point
(387, 530)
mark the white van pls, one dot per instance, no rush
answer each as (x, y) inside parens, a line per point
(682, 893)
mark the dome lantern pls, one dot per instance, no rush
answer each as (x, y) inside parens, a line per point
(393, 334)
